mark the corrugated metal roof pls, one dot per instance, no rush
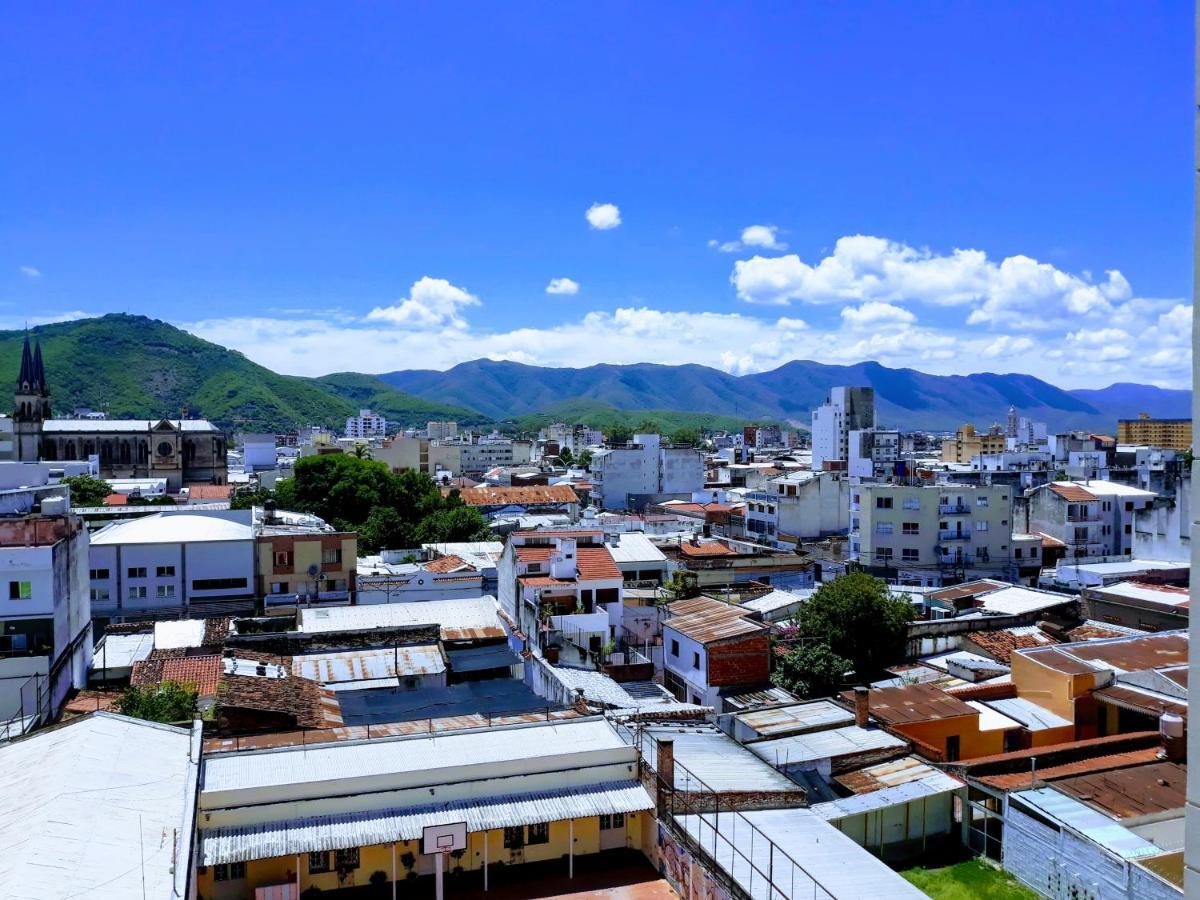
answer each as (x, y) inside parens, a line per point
(472, 618)
(889, 774)
(316, 833)
(754, 699)
(811, 716)
(361, 665)
(930, 784)
(705, 620)
(1087, 821)
(711, 756)
(1013, 780)
(801, 749)
(478, 659)
(1132, 792)
(1028, 713)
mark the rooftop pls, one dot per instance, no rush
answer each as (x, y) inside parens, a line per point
(1125, 654)
(172, 528)
(914, 703)
(100, 807)
(102, 426)
(1134, 792)
(705, 620)
(780, 720)
(833, 743)
(717, 760)
(532, 495)
(469, 619)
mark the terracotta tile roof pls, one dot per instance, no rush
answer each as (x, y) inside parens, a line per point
(1050, 540)
(532, 495)
(1072, 493)
(525, 553)
(91, 701)
(1000, 644)
(1003, 690)
(149, 670)
(596, 564)
(209, 491)
(204, 672)
(543, 581)
(302, 700)
(116, 500)
(1011, 781)
(216, 629)
(446, 564)
(914, 703)
(706, 549)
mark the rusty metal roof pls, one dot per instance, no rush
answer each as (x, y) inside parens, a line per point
(1137, 700)
(532, 495)
(1136, 654)
(968, 590)
(914, 703)
(1014, 781)
(705, 620)
(885, 775)
(1131, 792)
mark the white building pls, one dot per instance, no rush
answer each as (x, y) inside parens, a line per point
(45, 616)
(366, 425)
(173, 564)
(388, 579)
(872, 452)
(1093, 518)
(847, 409)
(258, 452)
(645, 471)
(799, 506)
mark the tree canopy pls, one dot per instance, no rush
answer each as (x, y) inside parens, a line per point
(852, 622)
(387, 509)
(168, 701)
(86, 490)
(689, 436)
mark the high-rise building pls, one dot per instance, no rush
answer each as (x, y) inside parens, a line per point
(847, 409)
(366, 425)
(1169, 434)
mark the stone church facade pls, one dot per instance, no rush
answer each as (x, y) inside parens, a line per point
(183, 451)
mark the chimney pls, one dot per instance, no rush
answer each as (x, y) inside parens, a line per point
(666, 775)
(862, 706)
(1174, 740)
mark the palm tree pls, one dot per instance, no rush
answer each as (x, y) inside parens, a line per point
(362, 451)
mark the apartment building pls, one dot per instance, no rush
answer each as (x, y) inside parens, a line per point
(932, 534)
(437, 431)
(711, 648)
(632, 475)
(847, 409)
(45, 612)
(366, 424)
(302, 559)
(872, 452)
(420, 454)
(801, 506)
(967, 443)
(1170, 434)
(1093, 518)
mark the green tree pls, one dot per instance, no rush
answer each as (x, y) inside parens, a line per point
(86, 490)
(680, 586)
(585, 460)
(811, 670)
(384, 529)
(857, 618)
(688, 436)
(460, 523)
(362, 451)
(169, 701)
(618, 433)
(646, 426)
(250, 497)
(566, 456)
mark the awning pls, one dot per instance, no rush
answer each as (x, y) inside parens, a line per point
(476, 659)
(365, 829)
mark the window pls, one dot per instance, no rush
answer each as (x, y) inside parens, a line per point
(883, 553)
(912, 503)
(981, 525)
(1129, 529)
(283, 558)
(695, 660)
(910, 554)
(952, 748)
(331, 557)
(1128, 506)
(981, 500)
(98, 574)
(883, 527)
(883, 502)
(514, 837)
(279, 587)
(346, 859)
(674, 648)
(911, 528)
(165, 592)
(165, 572)
(615, 820)
(136, 572)
(539, 833)
(1106, 506)
(1017, 553)
(229, 871)
(318, 863)
(99, 594)
(216, 584)
(1033, 552)
(137, 593)
(20, 590)
(534, 567)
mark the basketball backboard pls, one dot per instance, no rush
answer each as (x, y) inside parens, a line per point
(444, 838)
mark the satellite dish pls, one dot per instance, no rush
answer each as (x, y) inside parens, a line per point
(314, 570)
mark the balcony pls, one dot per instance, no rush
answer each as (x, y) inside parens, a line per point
(1083, 517)
(954, 535)
(954, 509)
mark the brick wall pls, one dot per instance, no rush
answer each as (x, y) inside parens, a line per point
(743, 660)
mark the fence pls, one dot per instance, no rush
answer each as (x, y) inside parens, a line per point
(30, 703)
(728, 843)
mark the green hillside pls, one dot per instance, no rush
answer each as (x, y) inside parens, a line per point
(602, 417)
(368, 392)
(137, 367)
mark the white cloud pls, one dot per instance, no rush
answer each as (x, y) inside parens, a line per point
(603, 216)
(562, 286)
(30, 272)
(1007, 345)
(764, 236)
(431, 304)
(874, 313)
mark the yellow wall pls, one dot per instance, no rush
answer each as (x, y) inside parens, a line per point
(378, 858)
(972, 742)
(1049, 688)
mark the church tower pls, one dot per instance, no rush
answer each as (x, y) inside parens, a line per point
(32, 404)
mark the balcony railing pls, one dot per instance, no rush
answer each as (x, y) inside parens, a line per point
(1083, 517)
(954, 509)
(954, 535)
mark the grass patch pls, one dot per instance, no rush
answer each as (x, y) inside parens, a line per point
(968, 881)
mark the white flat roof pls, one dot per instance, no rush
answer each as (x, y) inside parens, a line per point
(99, 808)
(178, 633)
(1013, 601)
(102, 426)
(635, 548)
(176, 528)
(368, 664)
(428, 755)
(475, 613)
(121, 651)
(1139, 591)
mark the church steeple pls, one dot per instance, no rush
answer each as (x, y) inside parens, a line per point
(39, 372)
(32, 402)
(25, 377)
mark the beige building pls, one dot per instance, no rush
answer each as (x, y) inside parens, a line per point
(420, 454)
(1170, 434)
(968, 443)
(931, 534)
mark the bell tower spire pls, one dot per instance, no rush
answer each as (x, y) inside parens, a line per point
(31, 402)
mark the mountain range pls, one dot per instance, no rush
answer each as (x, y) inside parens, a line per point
(134, 366)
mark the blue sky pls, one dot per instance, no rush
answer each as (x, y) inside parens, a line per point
(372, 187)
